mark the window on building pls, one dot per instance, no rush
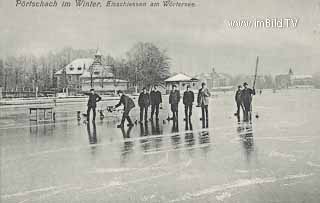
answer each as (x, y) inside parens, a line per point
(79, 68)
(96, 73)
(71, 68)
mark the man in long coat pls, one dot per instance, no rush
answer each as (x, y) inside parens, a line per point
(174, 99)
(246, 98)
(203, 102)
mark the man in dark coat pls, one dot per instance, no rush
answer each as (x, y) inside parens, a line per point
(156, 100)
(188, 99)
(246, 98)
(203, 102)
(237, 98)
(92, 103)
(174, 99)
(128, 104)
(144, 102)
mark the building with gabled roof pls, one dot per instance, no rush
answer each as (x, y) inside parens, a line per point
(85, 73)
(215, 80)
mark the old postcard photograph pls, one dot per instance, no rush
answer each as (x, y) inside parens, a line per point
(159, 101)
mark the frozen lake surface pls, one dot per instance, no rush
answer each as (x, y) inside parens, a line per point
(276, 159)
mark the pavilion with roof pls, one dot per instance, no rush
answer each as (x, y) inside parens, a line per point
(181, 80)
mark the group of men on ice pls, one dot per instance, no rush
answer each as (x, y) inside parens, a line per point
(243, 98)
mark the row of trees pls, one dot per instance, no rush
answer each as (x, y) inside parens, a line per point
(26, 72)
(144, 64)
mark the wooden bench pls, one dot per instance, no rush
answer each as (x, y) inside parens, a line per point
(41, 111)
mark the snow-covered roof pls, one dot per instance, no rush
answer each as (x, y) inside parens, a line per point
(98, 71)
(180, 77)
(77, 66)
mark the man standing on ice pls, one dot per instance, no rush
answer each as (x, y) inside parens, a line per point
(203, 102)
(144, 102)
(92, 103)
(238, 100)
(155, 100)
(174, 99)
(246, 98)
(188, 99)
(128, 104)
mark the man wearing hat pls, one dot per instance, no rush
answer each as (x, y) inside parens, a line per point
(188, 99)
(128, 104)
(144, 102)
(92, 103)
(238, 100)
(246, 98)
(203, 102)
(174, 99)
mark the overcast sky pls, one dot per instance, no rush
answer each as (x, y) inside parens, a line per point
(196, 39)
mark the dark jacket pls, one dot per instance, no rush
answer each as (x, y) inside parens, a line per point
(203, 97)
(127, 102)
(237, 96)
(144, 99)
(174, 97)
(155, 97)
(93, 99)
(246, 95)
(188, 98)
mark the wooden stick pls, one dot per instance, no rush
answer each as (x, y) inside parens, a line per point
(256, 73)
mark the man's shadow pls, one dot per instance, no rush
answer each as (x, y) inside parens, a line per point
(127, 144)
(144, 132)
(246, 135)
(92, 136)
(155, 130)
(189, 137)
(176, 140)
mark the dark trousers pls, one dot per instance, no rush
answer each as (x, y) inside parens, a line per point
(246, 111)
(145, 110)
(155, 108)
(188, 111)
(125, 116)
(174, 109)
(204, 109)
(238, 108)
(93, 110)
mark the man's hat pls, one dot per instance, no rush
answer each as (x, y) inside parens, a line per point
(91, 89)
(119, 91)
(144, 88)
(202, 84)
(239, 86)
(245, 83)
(174, 85)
